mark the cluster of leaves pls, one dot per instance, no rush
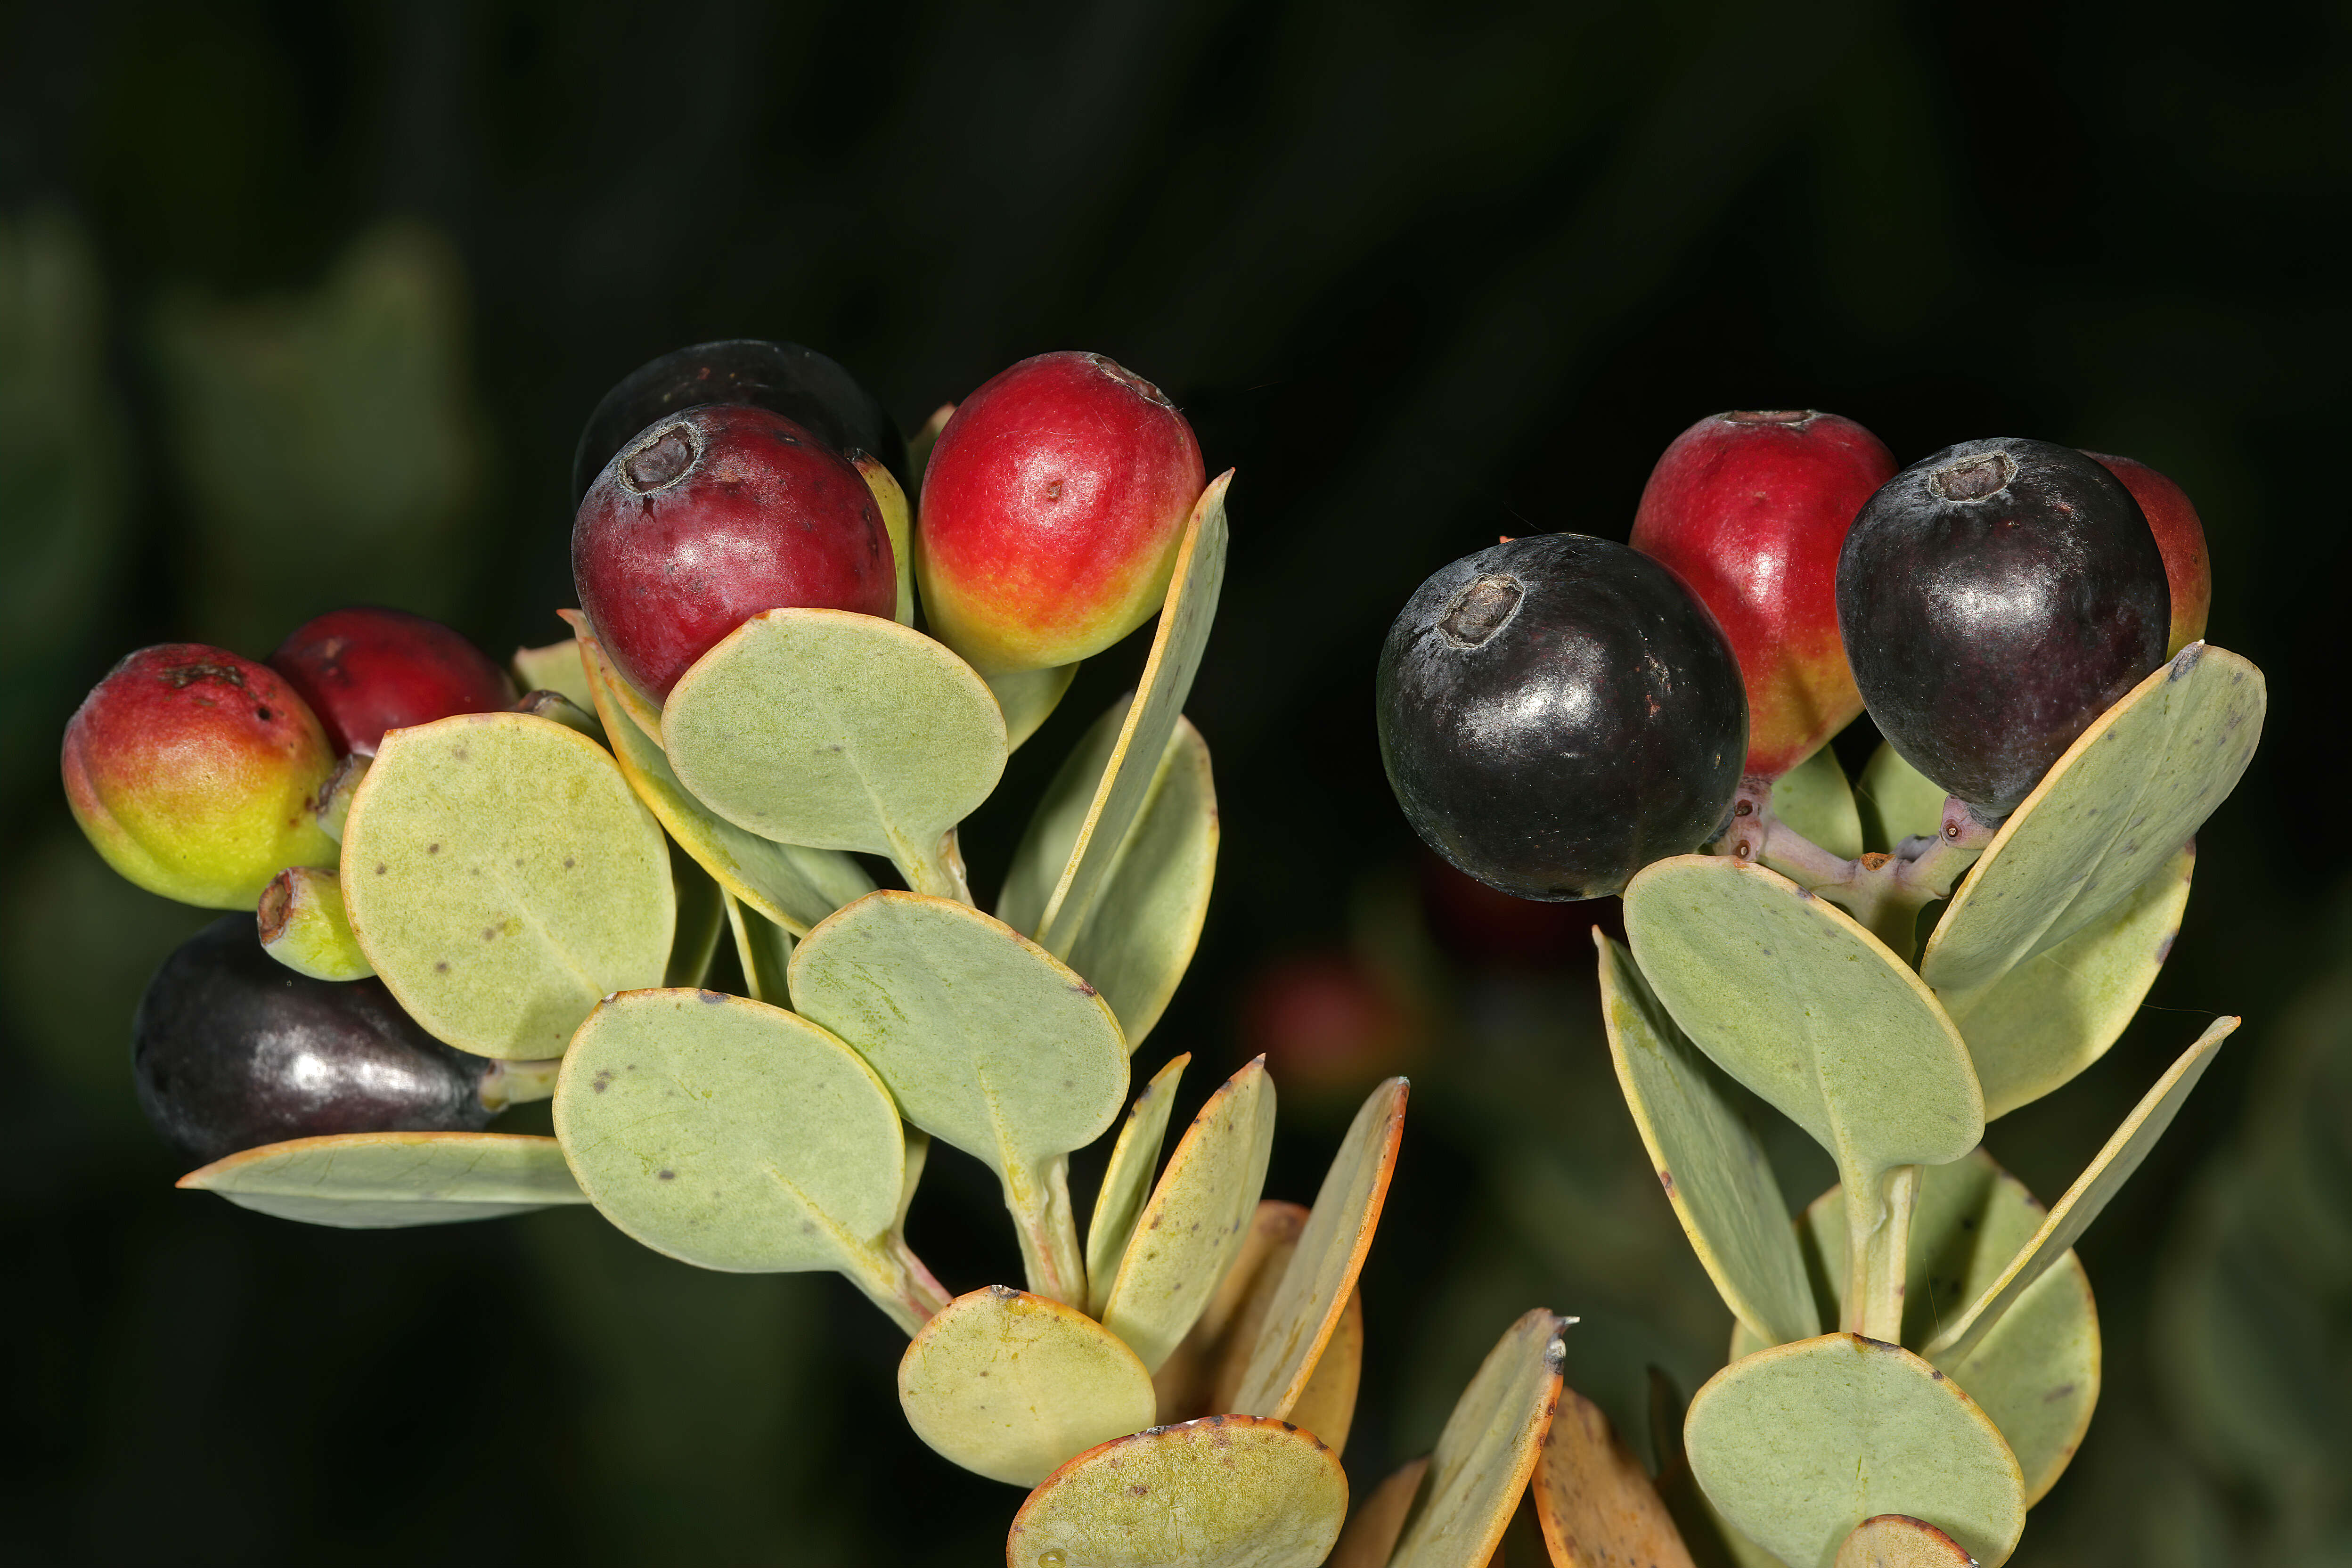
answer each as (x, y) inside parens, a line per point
(1965, 1360)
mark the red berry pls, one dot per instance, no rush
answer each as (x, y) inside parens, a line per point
(1051, 512)
(708, 518)
(1751, 509)
(193, 772)
(2181, 539)
(366, 670)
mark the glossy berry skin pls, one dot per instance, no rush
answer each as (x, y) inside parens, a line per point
(231, 1049)
(1750, 508)
(1052, 509)
(1558, 711)
(2181, 536)
(194, 773)
(711, 516)
(366, 670)
(800, 384)
(1996, 598)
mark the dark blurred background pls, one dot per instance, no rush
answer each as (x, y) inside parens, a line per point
(303, 304)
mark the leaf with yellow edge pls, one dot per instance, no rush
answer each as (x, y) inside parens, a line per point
(555, 667)
(2055, 1014)
(1315, 1283)
(1898, 1541)
(602, 674)
(1204, 1373)
(737, 1136)
(765, 951)
(503, 878)
(1224, 1492)
(1797, 1444)
(2130, 791)
(1147, 919)
(791, 886)
(839, 732)
(890, 500)
(1193, 1227)
(987, 1041)
(1595, 1500)
(374, 1181)
(1487, 1449)
(2100, 1180)
(1372, 1534)
(1185, 618)
(1127, 1181)
(1327, 1407)
(1713, 1168)
(1011, 1385)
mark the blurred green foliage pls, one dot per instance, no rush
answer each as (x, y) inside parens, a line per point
(302, 305)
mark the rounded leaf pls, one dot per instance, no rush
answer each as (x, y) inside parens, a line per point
(1225, 1492)
(1797, 1444)
(1011, 1385)
(502, 878)
(1898, 1541)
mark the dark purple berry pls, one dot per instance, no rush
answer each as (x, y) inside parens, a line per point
(231, 1049)
(1995, 599)
(1558, 711)
(800, 384)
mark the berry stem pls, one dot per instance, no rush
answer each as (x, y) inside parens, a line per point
(1883, 892)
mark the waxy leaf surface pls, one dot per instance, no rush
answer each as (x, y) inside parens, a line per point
(2037, 1372)
(1119, 796)
(1205, 1374)
(1327, 1406)
(502, 879)
(793, 887)
(2126, 795)
(1198, 1216)
(1224, 1492)
(1028, 697)
(1797, 1444)
(1898, 1541)
(1127, 1181)
(555, 667)
(1012, 1386)
(1713, 1168)
(838, 731)
(1814, 798)
(606, 683)
(1147, 918)
(2100, 1180)
(1807, 1009)
(1594, 1499)
(1306, 1306)
(377, 1180)
(734, 1135)
(1487, 1449)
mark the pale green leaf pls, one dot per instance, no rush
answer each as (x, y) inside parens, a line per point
(765, 951)
(1192, 1229)
(1797, 1444)
(1486, 1451)
(502, 879)
(1126, 1180)
(986, 1040)
(1185, 618)
(1305, 1308)
(555, 667)
(2100, 1180)
(372, 1180)
(791, 886)
(1813, 798)
(1713, 1168)
(1012, 1386)
(734, 1135)
(1028, 697)
(1807, 1009)
(1224, 1492)
(838, 731)
(2055, 1014)
(2107, 816)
